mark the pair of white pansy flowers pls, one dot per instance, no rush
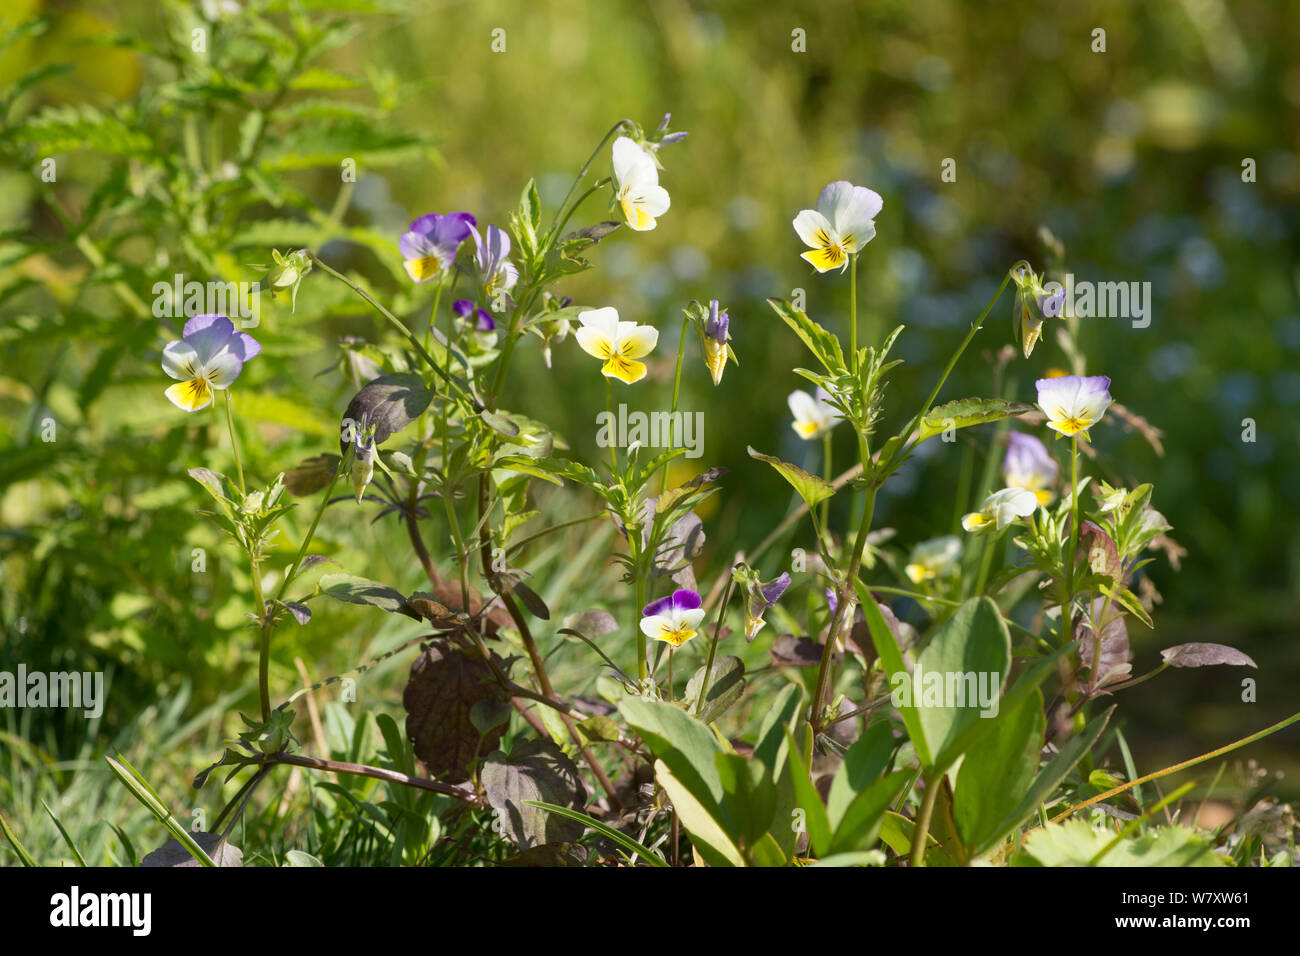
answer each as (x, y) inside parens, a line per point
(1072, 404)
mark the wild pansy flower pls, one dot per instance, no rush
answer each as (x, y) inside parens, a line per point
(1074, 403)
(714, 328)
(674, 618)
(1000, 509)
(478, 320)
(1032, 306)
(935, 558)
(636, 185)
(363, 458)
(759, 597)
(1028, 465)
(431, 244)
(497, 273)
(842, 223)
(619, 344)
(813, 414)
(209, 355)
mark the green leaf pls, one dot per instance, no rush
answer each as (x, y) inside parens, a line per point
(859, 828)
(726, 686)
(1048, 779)
(499, 423)
(891, 658)
(18, 848)
(808, 800)
(615, 836)
(749, 796)
(823, 344)
(997, 771)
(1011, 699)
(862, 766)
(771, 732)
(67, 837)
(973, 643)
(299, 858)
(141, 790)
(812, 489)
(1076, 843)
(700, 822)
(685, 745)
(358, 590)
(968, 411)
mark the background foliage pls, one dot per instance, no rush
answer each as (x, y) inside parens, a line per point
(1132, 158)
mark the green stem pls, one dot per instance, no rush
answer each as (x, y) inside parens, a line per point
(1219, 752)
(1074, 539)
(922, 831)
(453, 381)
(887, 467)
(828, 474)
(841, 609)
(713, 647)
(311, 531)
(853, 312)
(986, 560)
(642, 667)
(609, 408)
(677, 387)
(234, 443)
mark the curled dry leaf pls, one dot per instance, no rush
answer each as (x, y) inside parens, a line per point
(1200, 654)
(439, 699)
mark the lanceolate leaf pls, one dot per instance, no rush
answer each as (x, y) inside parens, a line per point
(968, 411)
(812, 489)
(823, 344)
(1198, 654)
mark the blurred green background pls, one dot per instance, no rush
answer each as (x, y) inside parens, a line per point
(1132, 157)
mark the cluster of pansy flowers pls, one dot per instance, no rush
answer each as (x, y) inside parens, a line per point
(1072, 404)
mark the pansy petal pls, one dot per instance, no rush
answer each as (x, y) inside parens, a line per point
(416, 245)
(422, 270)
(210, 337)
(802, 406)
(659, 606)
(850, 209)
(190, 396)
(689, 620)
(632, 164)
(595, 342)
(684, 599)
(180, 360)
(814, 229)
(625, 370)
(222, 371)
(824, 260)
(654, 625)
(603, 320)
(245, 346)
(639, 342)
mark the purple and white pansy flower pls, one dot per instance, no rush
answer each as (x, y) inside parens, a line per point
(208, 356)
(430, 245)
(1073, 403)
(497, 273)
(674, 618)
(1028, 465)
